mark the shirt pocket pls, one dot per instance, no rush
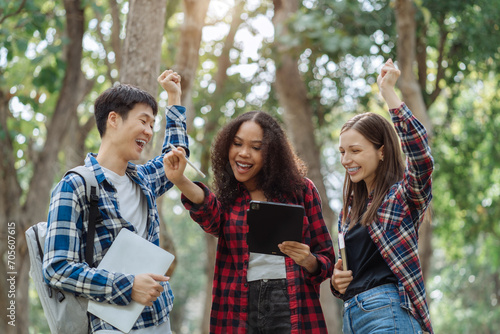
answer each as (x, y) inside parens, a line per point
(392, 214)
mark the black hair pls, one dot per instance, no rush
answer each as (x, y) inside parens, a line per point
(121, 99)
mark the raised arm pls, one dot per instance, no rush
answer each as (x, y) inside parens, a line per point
(175, 133)
(387, 81)
(413, 136)
(171, 82)
(175, 164)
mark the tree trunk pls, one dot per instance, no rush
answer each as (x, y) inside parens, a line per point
(412, 95)
(116, 42)
(45, 167)
(187, 58)
(186, 64)
(141, 69)
(406, 61)
(37, 199)
(74, 142)
(141, 55)
(292, 96)
(10, 212)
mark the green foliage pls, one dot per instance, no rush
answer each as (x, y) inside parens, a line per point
(50, 78)
(467, 32)
(467, 208)
(216, 105)
(473, 28)
(38, 323)
(340, 28)
(189, 279)
(467, 174)
(33, 48)
(340, 45)
(464, 298)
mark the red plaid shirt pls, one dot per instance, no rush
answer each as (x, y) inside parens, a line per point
(395, 233)
(230, 287)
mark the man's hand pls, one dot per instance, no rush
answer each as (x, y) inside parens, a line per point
(341, 279)
(146, 289)
(171, 82)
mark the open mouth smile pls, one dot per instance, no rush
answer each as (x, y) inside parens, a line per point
(243, 167)
(141, 143)
(353, 170)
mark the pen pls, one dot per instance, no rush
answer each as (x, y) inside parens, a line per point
(189, 162)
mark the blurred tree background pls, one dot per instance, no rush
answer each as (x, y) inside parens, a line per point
(312, 64)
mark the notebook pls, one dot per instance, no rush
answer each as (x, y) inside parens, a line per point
(269, 224)
(129, 254)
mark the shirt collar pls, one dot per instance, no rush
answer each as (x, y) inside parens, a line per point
(91, 161)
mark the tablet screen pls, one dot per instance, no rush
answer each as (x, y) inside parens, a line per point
(269, 224)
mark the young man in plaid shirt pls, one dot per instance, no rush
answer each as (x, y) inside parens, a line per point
(125, 117)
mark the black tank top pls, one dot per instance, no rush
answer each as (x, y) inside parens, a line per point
(369, 269)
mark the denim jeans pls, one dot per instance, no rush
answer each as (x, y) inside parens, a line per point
(268, 307)
(378, 310)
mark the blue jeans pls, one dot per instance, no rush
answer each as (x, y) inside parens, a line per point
(378, 310)
(268, 307)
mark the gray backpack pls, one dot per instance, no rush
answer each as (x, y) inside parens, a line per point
(65, 312)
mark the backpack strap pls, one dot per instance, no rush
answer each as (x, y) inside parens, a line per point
(92, 193)
(40, 248)
(40, 252)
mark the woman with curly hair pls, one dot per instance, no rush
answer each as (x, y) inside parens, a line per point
(252, 159)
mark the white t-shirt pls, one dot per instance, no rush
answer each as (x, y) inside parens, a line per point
(263, 266)
(132, 203)
(133, 208)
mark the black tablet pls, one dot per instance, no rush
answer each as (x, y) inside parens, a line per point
(269, 224)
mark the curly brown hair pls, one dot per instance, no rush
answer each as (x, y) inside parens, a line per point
(283, 172)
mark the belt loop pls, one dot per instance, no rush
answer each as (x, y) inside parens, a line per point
(357, 300)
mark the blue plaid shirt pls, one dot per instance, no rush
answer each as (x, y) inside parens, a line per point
(64, 264)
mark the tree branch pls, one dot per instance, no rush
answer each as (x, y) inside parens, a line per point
(440, 68)
(65, 111)
(2, 19)
(103, 42)
(116, 42)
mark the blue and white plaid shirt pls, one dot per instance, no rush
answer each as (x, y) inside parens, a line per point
(64, 264)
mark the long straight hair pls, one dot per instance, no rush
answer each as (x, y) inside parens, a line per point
(380, 132)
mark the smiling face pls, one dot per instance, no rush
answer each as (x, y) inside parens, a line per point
(359, 157)
(245, 154)
(132, 133)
